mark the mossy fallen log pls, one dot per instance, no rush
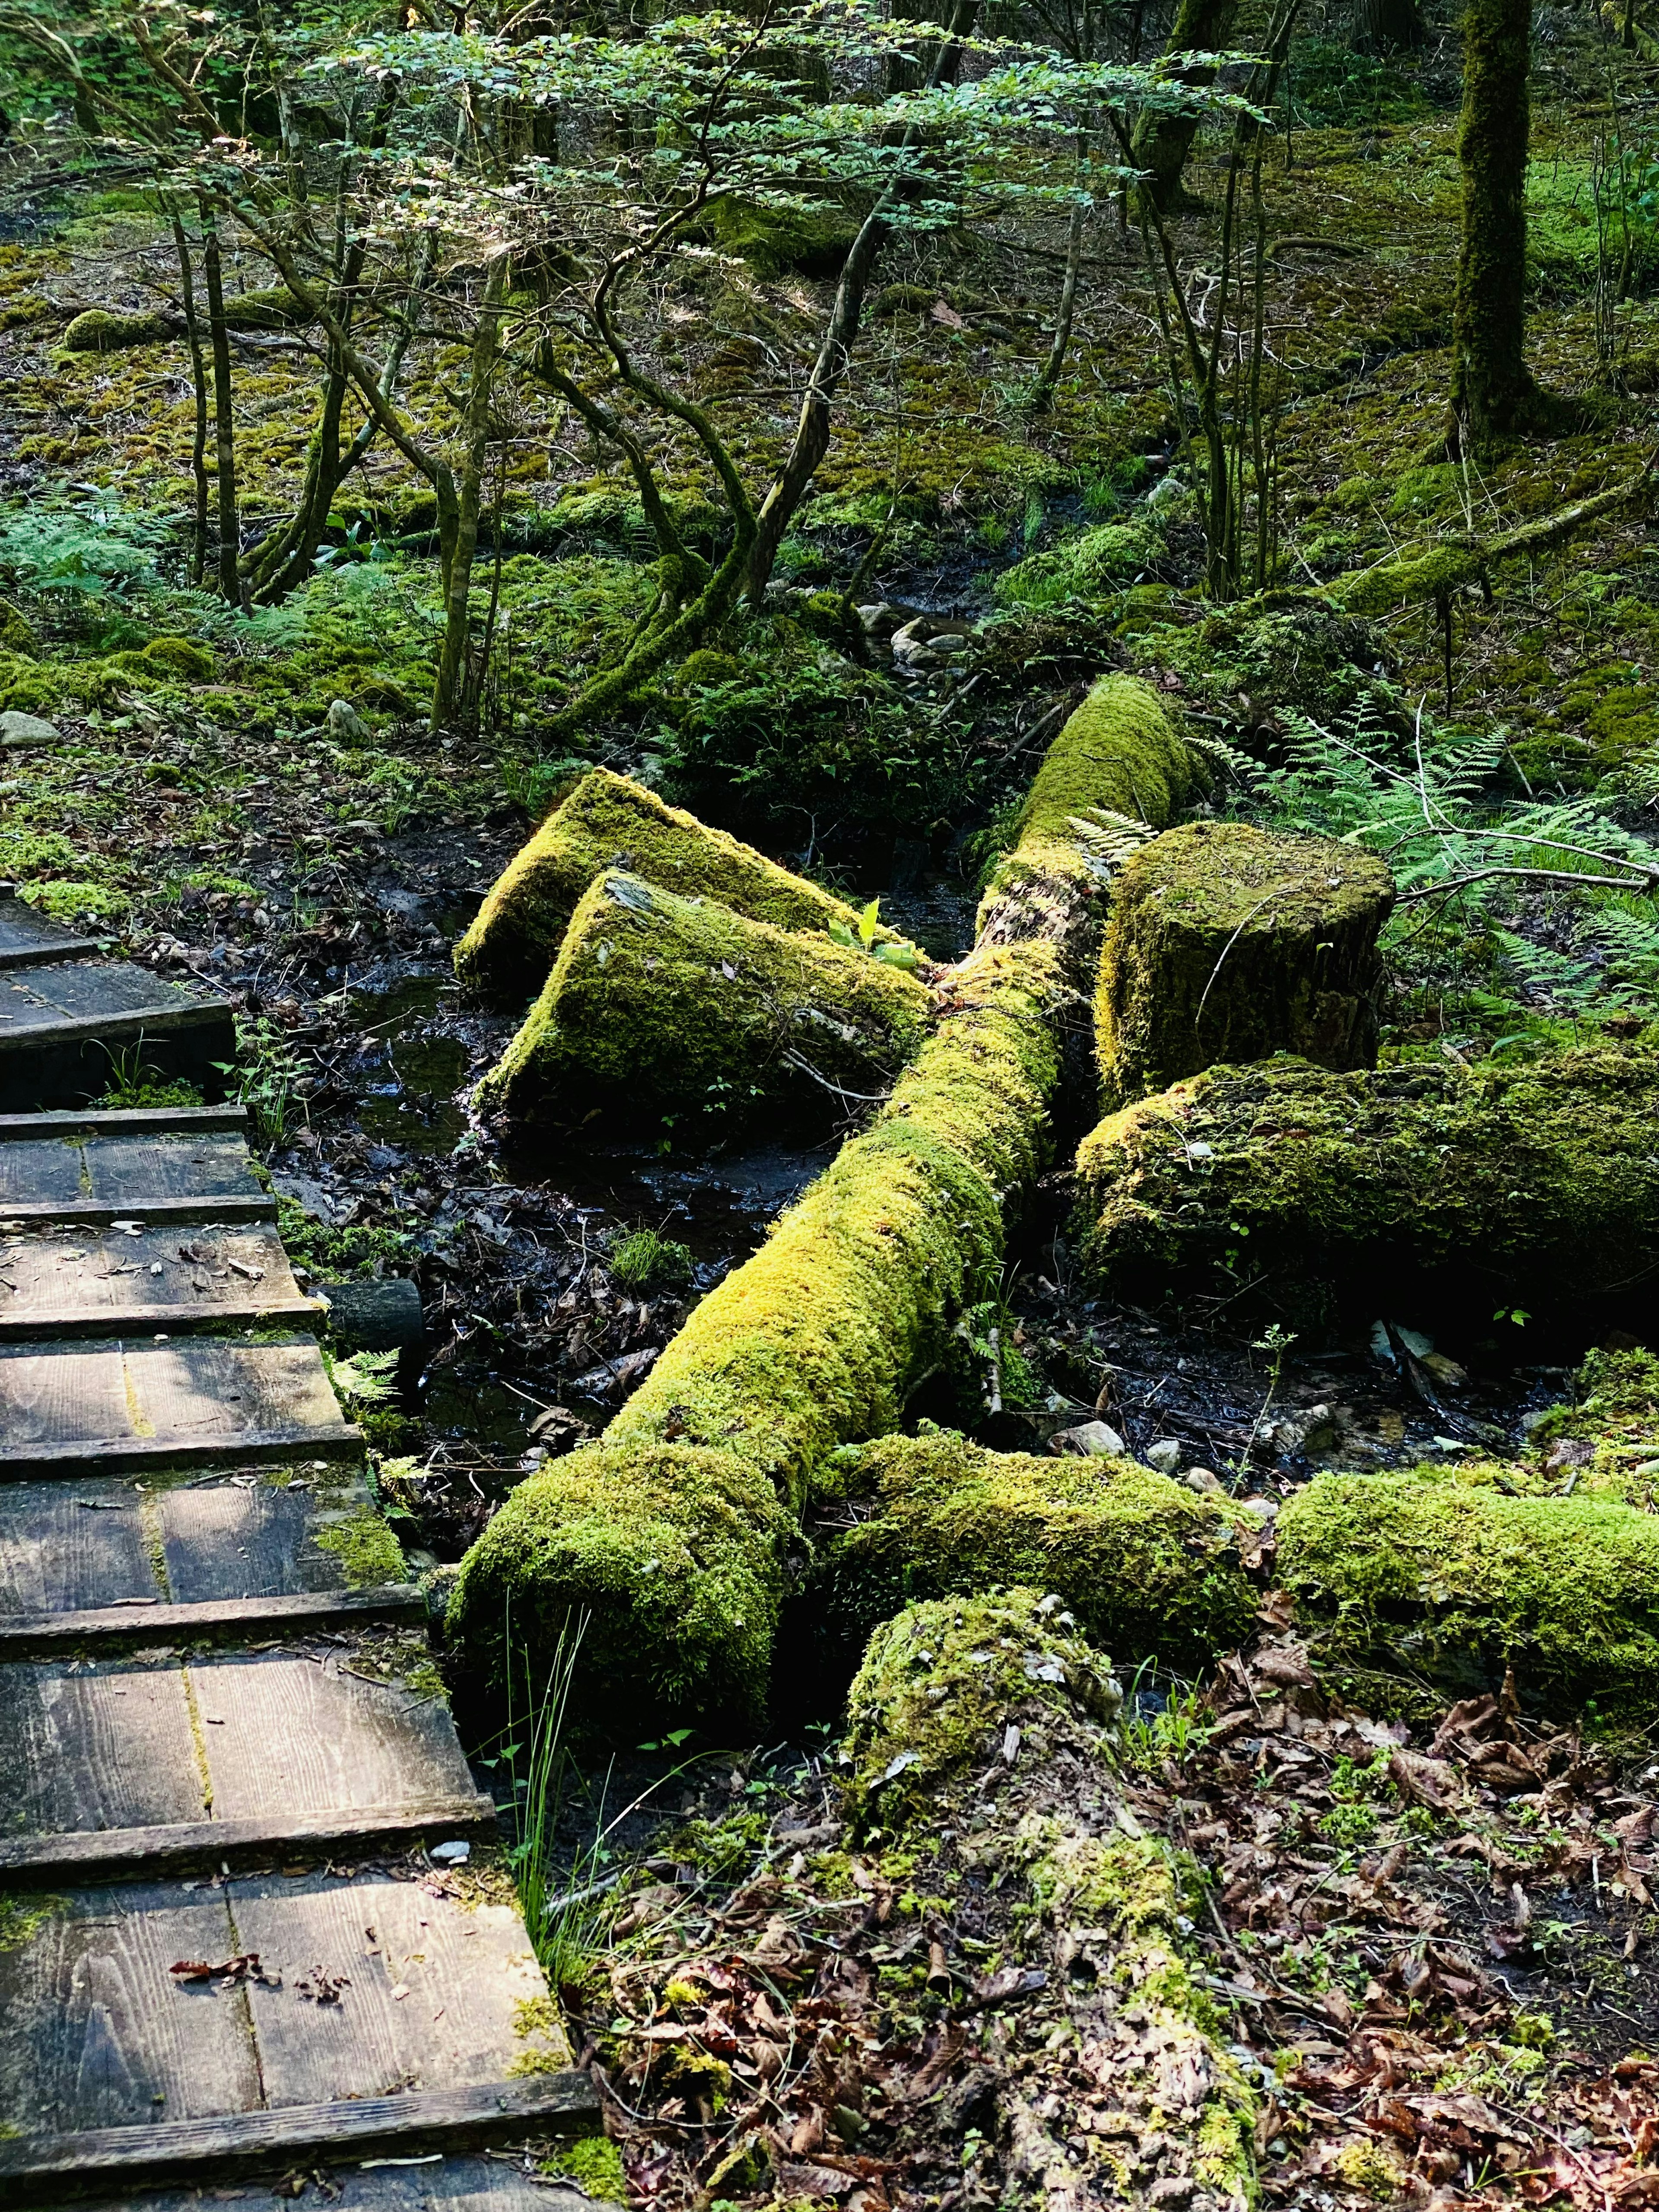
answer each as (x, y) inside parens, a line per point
(1228, 944)
(1144, 1563)
(983, 1740)
(607, 822)
(1538, 1179)
(816, 1340)
(657, 1000)
(1440, 1572)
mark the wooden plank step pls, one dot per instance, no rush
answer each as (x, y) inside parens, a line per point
(66, 1026)
(339, 1724)
(433, 2181)
(82, 1409)
(148, 1620)
(308, 2136)
(179, 1847)
(90, 1281)
(28, 936)
(158, 1167)
(384, 1981)
(307, 1533)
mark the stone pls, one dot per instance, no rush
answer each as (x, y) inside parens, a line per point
(1165, 1455)
(19, 729)
(346, 724)
(1202, 1478)
(1089, 1440)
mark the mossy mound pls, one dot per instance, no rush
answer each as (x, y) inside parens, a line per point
(1615, 1422)
(658, 1001)
(1539, 1180)
(1228, 944)
(17, 633)
(100, 330)
(1088, 566)
(164, 657)
(1306, 655)
(1457, 1581)
(671, 1550)
(276, 308)
(944, 1675)
(607, 822)
(1144, 1563)
(779, 241)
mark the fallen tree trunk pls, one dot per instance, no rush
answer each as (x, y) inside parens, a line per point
(1537, 1182)
(1227, 943)
(660, 1001)
(816, 1340)
(607, 822)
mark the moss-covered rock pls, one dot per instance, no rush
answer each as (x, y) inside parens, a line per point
(1539, 1179)
(673, 1552)
(101, 330)
(658, 1001)
(1227, 943)
(1144, 1563)
(778, 241)
(1455, 1579)
(275, 308)
(16, 632)
(164, 657)
(607, 822)
(1093, 562)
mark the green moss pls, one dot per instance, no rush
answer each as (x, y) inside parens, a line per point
(605, 822)
(938, 1679)
(1143, 1564)
(16, 632)
(658, 1001)
(369, 1554)
(1445, 1576)
(275, 308)
(23, 1918)
(646, 1260)
(1536, 1180)
(672, 1550)
(1088, 566)
(707, 666)
(100, 330)
(351, 1253)
(1228, 944)
(594, 2164)
(777, 241)
(180, 655)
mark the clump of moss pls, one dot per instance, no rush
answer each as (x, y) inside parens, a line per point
(777, 241)
(101, 330)
(1144, 1563)
(1537, 1179)
(607, 822)
(646, 1260)
(274, 309)
(672, 1550)
(594, 2164)
(658, 1001)
(1453, 1578)
(1306, 654)
(941, 1676)
(1616, 1413)
(370, 1556)
(1228, 944)
(16, 632)
(1084, 566)
(182, 655)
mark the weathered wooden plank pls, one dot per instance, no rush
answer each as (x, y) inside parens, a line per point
(433, 1986)
(28, 936)
(103, 1744)
(429, 2182)
(98, 1407)
(311, 1731)
(282, 1533)
(93, 1281)
(141, 1120)
(65, 1025)
(153, 1619)
(126, 1854)
(155, 1176)
(78, 2165)
(73, 1547)
(96, 2034)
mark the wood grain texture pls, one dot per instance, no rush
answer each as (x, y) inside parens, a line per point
(70, 1545)
(247, 1535)
(241, 1618)
(94, 2031)
(474, 2182)
(464, 1971)
(110, 1282)
(214, 1846)
(104, 1744)
(549, 2104)
(304, 1732)
(143, 1121)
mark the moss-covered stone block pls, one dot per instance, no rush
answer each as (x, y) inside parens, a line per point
(1144, 1563)
(1225, 943)
(1457, 1580)
(671, 1551)
(658, 1001)
(609, 821)
(1538, 1180)
(101, 330)
(778, 241)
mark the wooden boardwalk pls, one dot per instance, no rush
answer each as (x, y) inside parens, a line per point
(228, 1955)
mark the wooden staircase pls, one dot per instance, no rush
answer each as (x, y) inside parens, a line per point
(227, 1953)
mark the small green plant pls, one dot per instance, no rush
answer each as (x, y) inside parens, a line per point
(1355, 1781)
(366, 1378)
(133, 1083)
(646, 1260)
(1349, 1826)
(896, 953)
(988, 1329)
(1174, 1732)
(264, 1074)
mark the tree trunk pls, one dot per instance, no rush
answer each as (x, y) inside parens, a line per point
(1043, 392)
(198, 379)
(1492, 389)
(224, 434)
(459, 522)
(1162, 142)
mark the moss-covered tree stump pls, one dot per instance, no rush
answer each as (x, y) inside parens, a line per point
(1520, 1182)
(1228, 944)
(607, 822)
(659, 1000)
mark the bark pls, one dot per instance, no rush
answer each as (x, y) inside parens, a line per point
(1162, 142)
(457, 512)
(224, 432)
(198, 378)
(1492, 393)
(1043, 392)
